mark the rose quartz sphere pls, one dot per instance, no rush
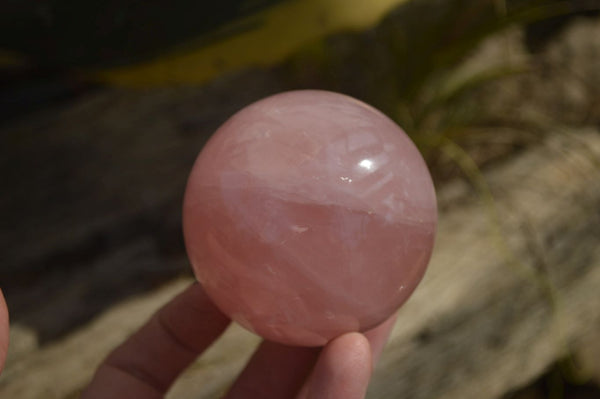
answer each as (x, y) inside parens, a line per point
(309, 214)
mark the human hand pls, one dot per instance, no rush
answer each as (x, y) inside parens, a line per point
(3, 331)
(148, 362)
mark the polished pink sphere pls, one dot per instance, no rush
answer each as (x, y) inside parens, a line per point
(309, 214)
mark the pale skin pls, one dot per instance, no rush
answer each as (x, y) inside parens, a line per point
(148, 362)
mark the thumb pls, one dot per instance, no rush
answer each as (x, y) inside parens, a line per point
(343, 370)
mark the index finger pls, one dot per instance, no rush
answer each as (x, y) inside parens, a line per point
(148, 362)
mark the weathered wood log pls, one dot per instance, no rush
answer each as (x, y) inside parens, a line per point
(88, 198)
(510, 289)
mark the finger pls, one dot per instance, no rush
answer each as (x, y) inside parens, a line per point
(377, 338)
(3, 331)
(147, 363)
(379, 335)
(275, 371)
(343, 369)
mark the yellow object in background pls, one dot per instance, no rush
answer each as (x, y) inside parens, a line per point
(270, 36)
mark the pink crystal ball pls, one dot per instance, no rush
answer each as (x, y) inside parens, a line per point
(309, 214)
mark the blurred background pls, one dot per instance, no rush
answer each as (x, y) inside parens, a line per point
(105, 105)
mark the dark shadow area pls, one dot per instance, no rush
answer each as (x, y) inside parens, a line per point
(25, 90)
(556, 384)
(67, 33)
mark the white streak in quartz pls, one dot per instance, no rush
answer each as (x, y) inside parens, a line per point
(299, 229)
(360, 140)
(378, 185)
(388, 147)
(271, 269)
(379, 161)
